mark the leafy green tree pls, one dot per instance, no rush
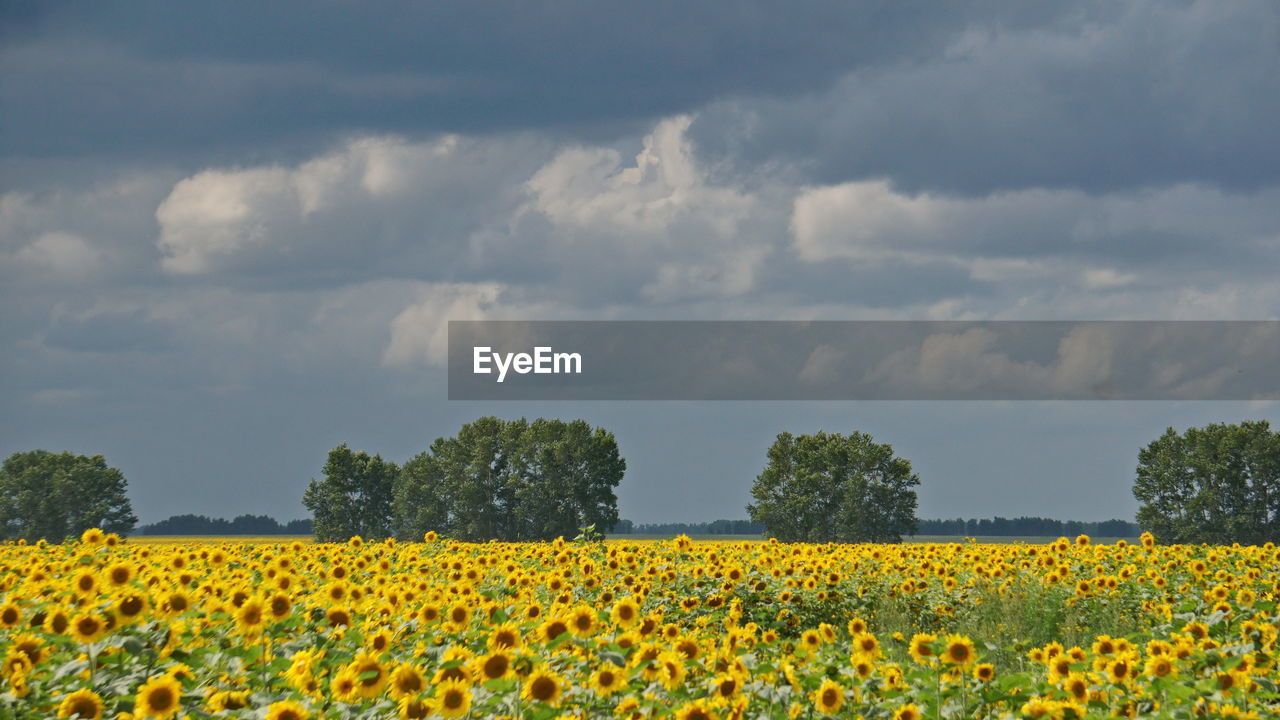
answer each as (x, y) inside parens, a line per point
(511, 480)
(565, 473)
(1216, 484)
(50, 496)
(831, 487)
(418, 503)
(354, 498)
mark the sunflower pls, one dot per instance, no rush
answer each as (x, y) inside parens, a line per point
(625, 613)
(119, 574)
(83, 704)
(726, 686)
(56, 623)
(15, 664)
(345, 685)
(428, 614)
(551, 629)
(227, 700)
(1077, 685)
(494, 666)
(866, 645)
(984, 672)
(921, 648)
(407, 681)
(688, 648)
(251, 617)
(958, 651)
(582, 621)
(607, 681)
(1160, 666)
(671, 670)
(1037, 708)
(372, 675)
(29, 646)
(9, 615)
(414, 708)
(828, 697)
(696, 710)
(542, 686)
(87, 628)
(92, 536)
(130, 607)
(458, 617)
(160, 698)
(287, 710)
(279, 606)
(811, 640)
(505, 636)
(1120, 671)
(452, 699)
(910, 711)
(338, 617)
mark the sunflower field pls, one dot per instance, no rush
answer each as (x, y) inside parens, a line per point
(103, 628)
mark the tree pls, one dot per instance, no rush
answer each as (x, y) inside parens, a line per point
(52, 496)
(354, 498)
(832, 487)
(511, 480)
(1216, 484)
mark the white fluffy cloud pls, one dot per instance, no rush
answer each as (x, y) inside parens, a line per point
(1063, 236)
(420, 332)
(367, 208)
(663, 210)
(64, 254)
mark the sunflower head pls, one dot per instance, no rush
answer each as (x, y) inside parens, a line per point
(160, 698)
(83, 704)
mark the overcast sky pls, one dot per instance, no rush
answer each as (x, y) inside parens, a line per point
(231, 233)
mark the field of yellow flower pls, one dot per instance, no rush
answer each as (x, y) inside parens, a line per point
(288, 631)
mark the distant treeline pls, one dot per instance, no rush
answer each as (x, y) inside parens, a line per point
(715, 527)
(242, 525)
(998, 526)
(1028, 526)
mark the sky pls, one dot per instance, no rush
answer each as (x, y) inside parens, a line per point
(231, 234)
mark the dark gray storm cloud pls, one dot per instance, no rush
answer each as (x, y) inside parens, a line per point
(231, 234)
(243, 77)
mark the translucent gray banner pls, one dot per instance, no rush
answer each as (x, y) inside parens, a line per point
(872, 360)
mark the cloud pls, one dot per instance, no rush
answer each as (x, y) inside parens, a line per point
(1104, 278)
(215, 214)
(376, 206)
(136, 80)
(1103, 243)
(959, 364)
(63, 254)
(1112, 97)
(664, 210)
(420, 332)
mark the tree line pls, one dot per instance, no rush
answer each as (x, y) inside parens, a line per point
(715, 527)
(532, 480)
(240, 525)
(1029, 527)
